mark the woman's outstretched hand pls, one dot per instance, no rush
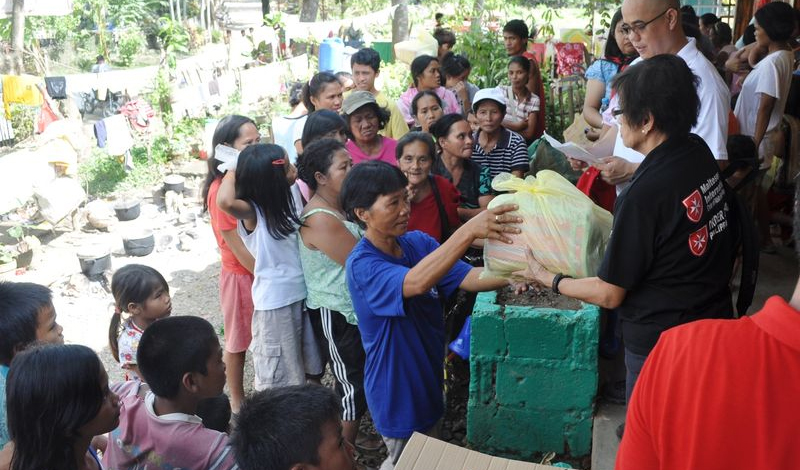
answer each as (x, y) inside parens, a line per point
(535, 273)
(494, 223)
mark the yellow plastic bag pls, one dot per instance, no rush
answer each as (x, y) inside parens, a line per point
(565, 230)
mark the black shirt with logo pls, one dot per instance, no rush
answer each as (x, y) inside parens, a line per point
(671, 246)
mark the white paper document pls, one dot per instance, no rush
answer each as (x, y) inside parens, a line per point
(572, 150)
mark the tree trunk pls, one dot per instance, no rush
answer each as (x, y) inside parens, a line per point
(264, 7)
(17, 35)
(400, 21)
(477, 15)
(308, 11)
(172, 10)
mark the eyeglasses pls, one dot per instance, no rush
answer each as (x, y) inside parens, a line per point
(639, 26)
(616, 112)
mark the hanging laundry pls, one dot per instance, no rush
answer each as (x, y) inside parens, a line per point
(118, 135)
(100, 133)
(56, 87)
(20, 89)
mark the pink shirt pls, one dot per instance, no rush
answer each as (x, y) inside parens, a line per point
(449, 102)
(385, 155)
(144, 441)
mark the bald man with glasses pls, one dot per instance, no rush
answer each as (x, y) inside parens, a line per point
(654, 27)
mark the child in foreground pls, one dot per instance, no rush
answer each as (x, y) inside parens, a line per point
(142, 294)
(58, 400)
(181, 360)
(292, 428)
(27, 315)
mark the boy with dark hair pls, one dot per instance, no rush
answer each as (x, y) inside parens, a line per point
(366, 66)
(264, 439)
(181, 360)
(27, 315)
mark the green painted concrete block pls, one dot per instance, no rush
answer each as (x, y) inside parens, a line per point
(538, 333)
(533, 379)
(491, 341)
(524, 383)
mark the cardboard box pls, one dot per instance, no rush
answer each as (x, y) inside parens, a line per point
(426, 453)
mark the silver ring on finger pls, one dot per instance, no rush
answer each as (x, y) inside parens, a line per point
(497, 219)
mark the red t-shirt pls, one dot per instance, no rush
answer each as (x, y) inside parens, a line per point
(425, 213)
(719, 394)
(220, 221)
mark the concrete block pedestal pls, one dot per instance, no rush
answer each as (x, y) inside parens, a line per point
(533, 379)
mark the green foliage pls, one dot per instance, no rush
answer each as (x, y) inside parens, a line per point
(396, 79)
(488, 57)
(162, 150)
(216, 36)
(23, 118)
(175, 39)
(161, 94)
(100, 173)
(130, 44)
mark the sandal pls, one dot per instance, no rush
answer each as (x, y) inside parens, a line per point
(368, 442)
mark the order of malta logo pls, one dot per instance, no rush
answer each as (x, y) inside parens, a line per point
(694, 206)
(698, 241)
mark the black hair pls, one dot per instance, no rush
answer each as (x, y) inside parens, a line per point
(419, 64)
(227, 131)
(215, 413)
(777, 19)
(172, 347)
(131, 284)
(797, 216)
(367, 56)
(281, 427)
(415, 136)
(52, 391)
(444, 36)
(653, 86)
(383, 115)
(296, 94)
(454, 65)
(522, 61)
(419, 96)
(261, 180)
(517, 28)
(612, 49)
(742, 151)
(20, 304)
(708, 19)
(749, 34)
(321, 123)
(688, 14)
(365, 183)
(317, 158)
(722, 34)
(342, 74)
(315, 86)
(441, 128)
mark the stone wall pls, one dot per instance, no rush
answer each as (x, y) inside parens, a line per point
(533, 379)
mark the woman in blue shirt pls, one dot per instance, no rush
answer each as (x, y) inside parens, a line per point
(398, 281)
(618, 54)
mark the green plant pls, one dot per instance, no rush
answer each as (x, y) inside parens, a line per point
(216, 36)
(7, 254)
(396, 78)
(23, 119)
(161, 94)
(175, 39)
(488, 57)
(100, 173)
(130, 44)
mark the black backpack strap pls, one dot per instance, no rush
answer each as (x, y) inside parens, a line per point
(443, 221)
(748, 238)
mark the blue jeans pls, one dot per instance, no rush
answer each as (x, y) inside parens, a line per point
(633, 365)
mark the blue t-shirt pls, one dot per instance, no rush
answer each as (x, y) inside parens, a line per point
(604, 71)
(3, 422)
(403, 338)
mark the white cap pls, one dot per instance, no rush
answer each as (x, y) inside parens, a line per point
(493, 94)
